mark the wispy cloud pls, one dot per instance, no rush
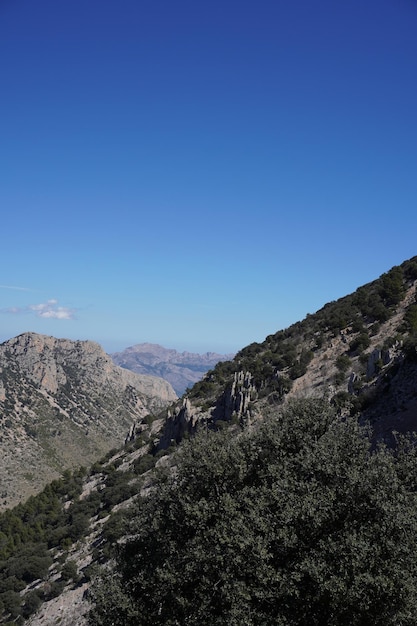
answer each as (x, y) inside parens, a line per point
(48, 309)
(13, 309)
(14, 288)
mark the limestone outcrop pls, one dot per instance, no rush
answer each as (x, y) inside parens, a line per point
(238, 397)
(185, 417)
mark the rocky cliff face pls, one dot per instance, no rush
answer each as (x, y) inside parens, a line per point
(64, 403)
(181, 369)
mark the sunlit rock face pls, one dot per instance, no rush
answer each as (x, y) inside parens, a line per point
(64, 403)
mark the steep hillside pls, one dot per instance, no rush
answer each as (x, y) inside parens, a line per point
(359, 351)
(181, 369)
(358, 355)
(50, 545)
(62, 404)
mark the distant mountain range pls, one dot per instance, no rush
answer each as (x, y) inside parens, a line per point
(181, 369)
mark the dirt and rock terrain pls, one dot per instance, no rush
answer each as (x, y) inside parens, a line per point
(63, 404)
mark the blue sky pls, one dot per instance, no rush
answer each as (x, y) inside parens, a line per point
(201, 174)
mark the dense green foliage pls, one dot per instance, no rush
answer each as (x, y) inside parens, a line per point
(297, 522)
(38, 519)
(29, 533)
(47, 524)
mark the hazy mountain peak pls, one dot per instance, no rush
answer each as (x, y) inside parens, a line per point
(181, 369)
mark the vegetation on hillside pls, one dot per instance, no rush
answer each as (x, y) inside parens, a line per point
(284, 356)
(36, 537)
(297, 522)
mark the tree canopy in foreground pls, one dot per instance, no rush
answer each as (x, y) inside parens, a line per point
(297, 522)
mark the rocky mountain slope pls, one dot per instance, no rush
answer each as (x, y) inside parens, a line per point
(63, 404)
(181, 369)
(359, 353)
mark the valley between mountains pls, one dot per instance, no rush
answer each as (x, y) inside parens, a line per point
(352, 364)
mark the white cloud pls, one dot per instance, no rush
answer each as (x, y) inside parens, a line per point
(47, 310)
(51, 310)
(44, 306)
(60, 313)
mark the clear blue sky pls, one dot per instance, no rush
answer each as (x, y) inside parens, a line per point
(201, 174)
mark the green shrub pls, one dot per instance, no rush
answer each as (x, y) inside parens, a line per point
(299, 521)
(341, 400)
(339, 378)
(392, 288)
(410, 318)
(70, 571)
(32, 602)
(11, 602)
(143, 463)
(343, 362)
(53, 589)
(359, 344)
